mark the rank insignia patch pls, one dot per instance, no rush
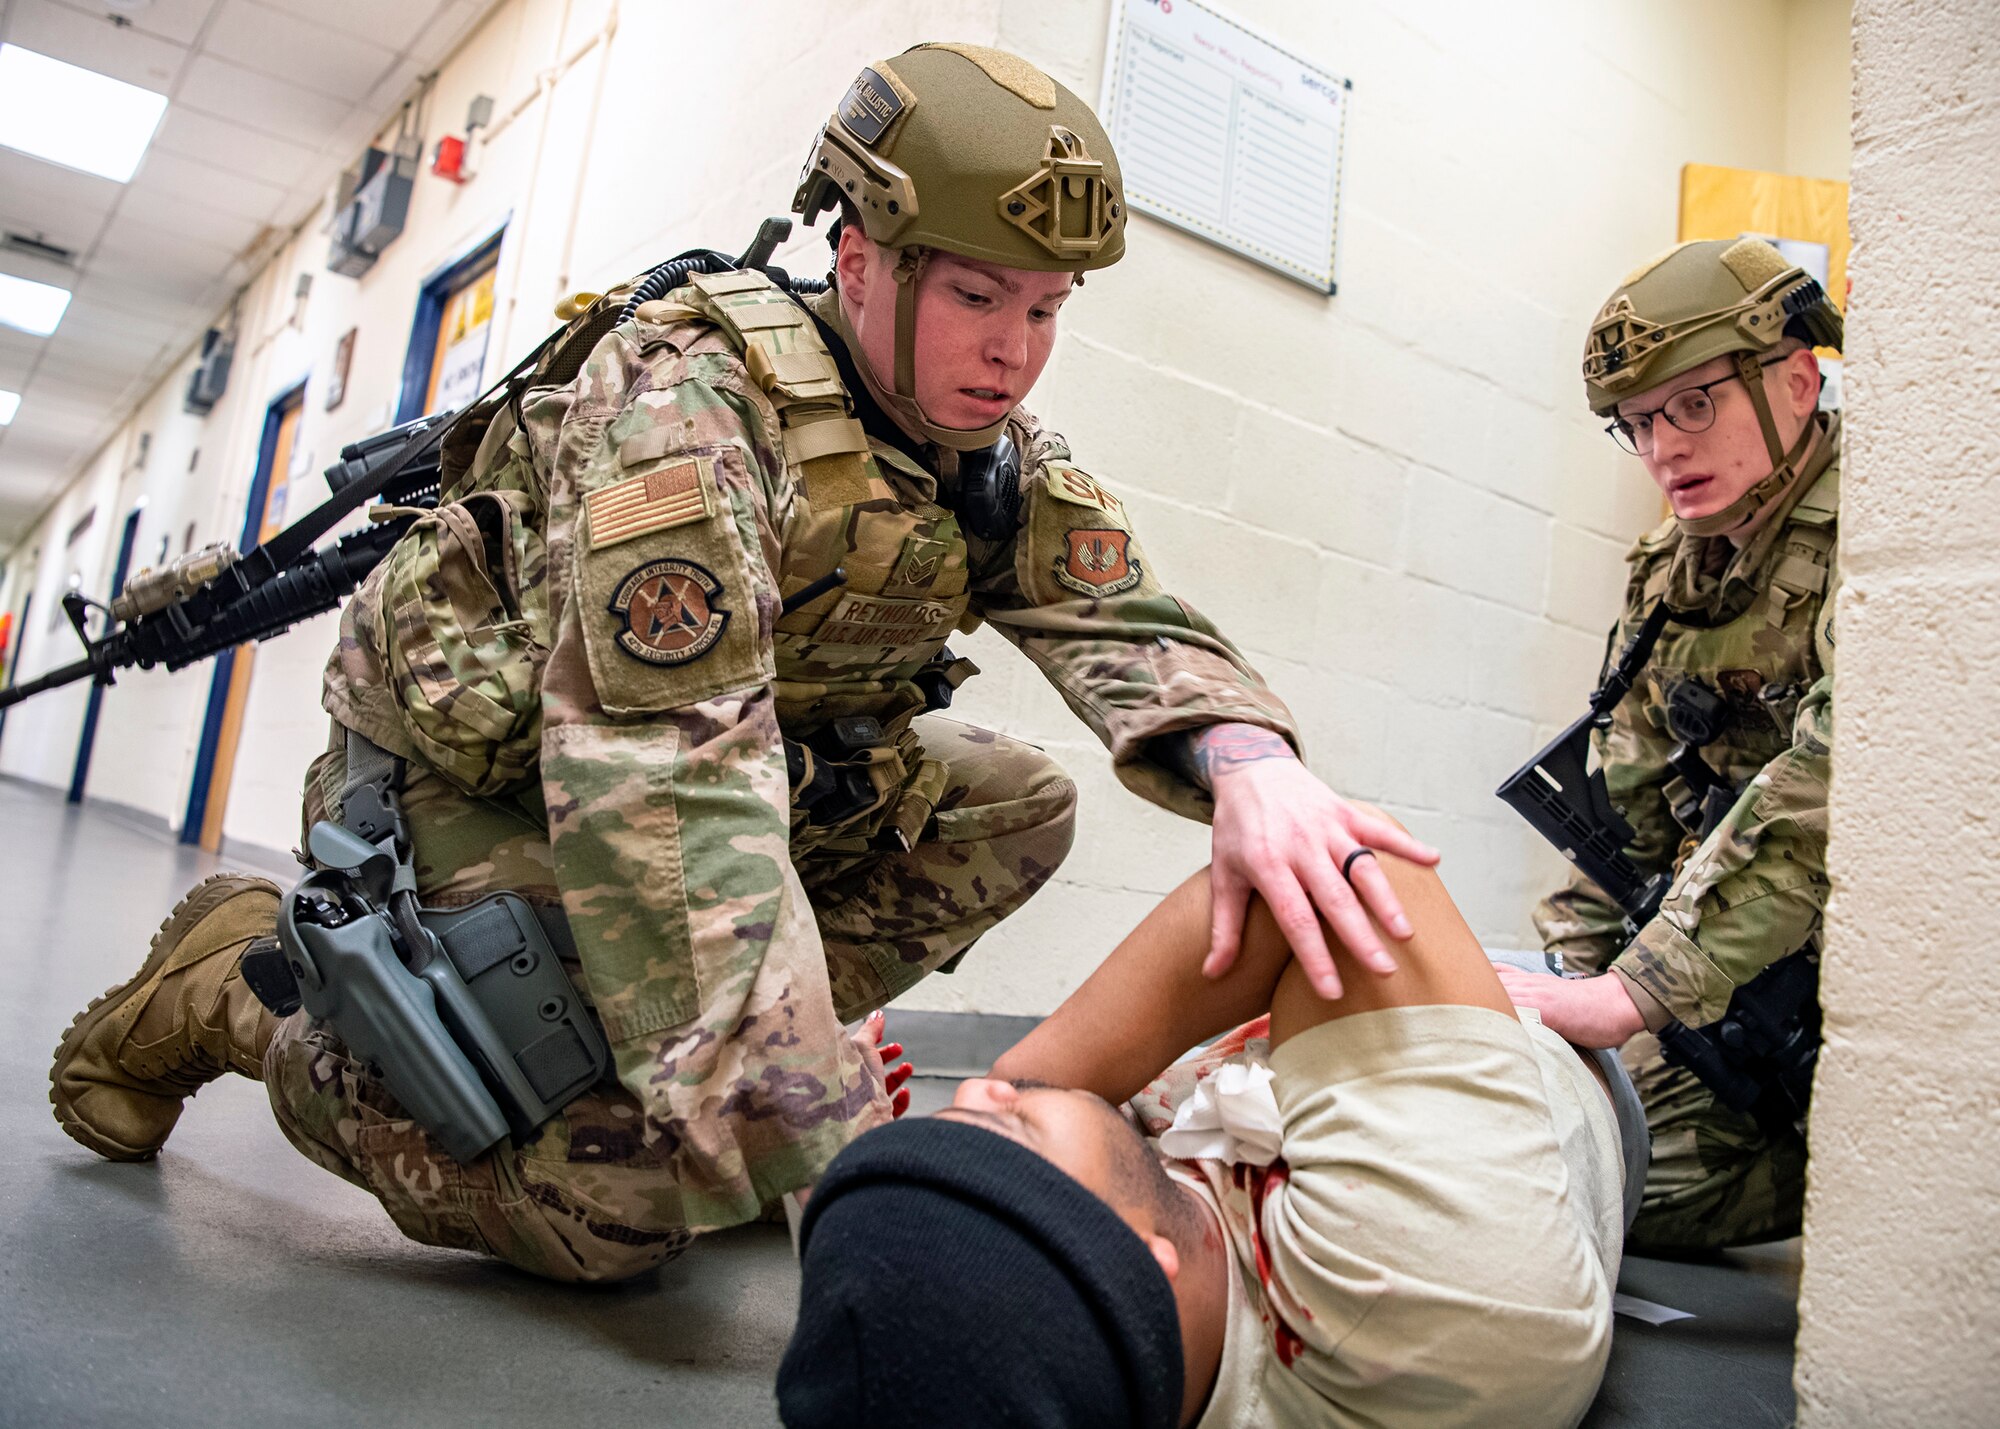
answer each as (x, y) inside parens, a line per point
(669, 612)
(1099, 562)
(673, 495)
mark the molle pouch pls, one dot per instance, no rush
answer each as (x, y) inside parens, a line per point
(464, 634)
(878, 796)
(546, 1050)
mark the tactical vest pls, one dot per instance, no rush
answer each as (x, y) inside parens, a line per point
(1761, 660)
(455, 683)
(858, 649)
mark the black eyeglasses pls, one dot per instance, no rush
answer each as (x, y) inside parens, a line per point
(1689, 410)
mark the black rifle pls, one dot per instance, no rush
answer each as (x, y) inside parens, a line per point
(212, 599)
(1759, 1057)
(1565, 799)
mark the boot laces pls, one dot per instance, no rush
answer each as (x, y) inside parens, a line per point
(189, 1069)
(186, 1064)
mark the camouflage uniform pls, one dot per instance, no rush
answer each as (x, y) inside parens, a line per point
(582, 655)
(1755, 889)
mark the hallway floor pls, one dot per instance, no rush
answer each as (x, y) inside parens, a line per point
(233, 1283)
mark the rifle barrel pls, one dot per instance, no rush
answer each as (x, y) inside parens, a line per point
(65, 675)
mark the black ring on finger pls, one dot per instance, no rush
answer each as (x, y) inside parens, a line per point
(1347, 864)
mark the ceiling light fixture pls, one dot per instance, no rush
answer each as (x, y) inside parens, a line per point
(10, 403)
(75, 117)
(30, 306)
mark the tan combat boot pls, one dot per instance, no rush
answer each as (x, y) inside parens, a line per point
(136, 1054)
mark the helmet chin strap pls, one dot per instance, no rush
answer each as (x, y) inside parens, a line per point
(900, 401)
(1784, 464)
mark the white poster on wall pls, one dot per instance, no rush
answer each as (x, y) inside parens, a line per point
(1227, 134)
(459, 369)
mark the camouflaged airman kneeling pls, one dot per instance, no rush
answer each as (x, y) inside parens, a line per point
(665, 663)
(1702, 359)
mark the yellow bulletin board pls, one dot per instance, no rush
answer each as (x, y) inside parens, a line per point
(1727, 203)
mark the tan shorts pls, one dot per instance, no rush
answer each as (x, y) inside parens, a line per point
(1441, 1243)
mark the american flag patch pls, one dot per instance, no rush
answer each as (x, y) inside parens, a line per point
(673, 495)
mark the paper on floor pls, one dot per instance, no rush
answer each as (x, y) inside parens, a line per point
(1646, 1310)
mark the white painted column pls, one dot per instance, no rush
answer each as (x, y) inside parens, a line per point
(1900, 1307)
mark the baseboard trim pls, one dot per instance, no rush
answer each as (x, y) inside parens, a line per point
(145, 821)
(956, 1044)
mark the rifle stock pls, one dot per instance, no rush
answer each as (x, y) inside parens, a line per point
(1566, 802)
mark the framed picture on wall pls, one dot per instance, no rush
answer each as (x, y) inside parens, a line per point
(343, 357)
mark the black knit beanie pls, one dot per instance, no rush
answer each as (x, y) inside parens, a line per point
(953, 1277)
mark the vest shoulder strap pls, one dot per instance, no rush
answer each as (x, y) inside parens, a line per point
(555, 362)
(789, 361)
(1653, 542)
(1820, 506)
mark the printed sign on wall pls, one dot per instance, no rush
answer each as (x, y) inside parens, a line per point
(1227, 134)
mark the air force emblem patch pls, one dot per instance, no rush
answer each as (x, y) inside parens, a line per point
(1098, 562)
(669, 612)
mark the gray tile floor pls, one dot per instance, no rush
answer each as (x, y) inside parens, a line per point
(231, 1282)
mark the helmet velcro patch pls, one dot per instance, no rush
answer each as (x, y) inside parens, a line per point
(873, 104)
(1649, 265)
(1010, 72)
(1753, 263)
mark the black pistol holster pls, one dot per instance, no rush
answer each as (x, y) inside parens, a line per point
(1759, 1057)
(465, 1013)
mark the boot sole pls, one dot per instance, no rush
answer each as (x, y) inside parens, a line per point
(201, 900)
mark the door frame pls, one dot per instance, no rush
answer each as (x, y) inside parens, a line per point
(86, 741)
(20, 642)
(432, 294)
(200, 789)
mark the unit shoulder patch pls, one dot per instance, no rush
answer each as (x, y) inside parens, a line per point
(670, 612)
(1098, 561)
(668, 496)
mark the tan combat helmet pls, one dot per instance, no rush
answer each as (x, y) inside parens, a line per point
(976, 152)
(1696, 302)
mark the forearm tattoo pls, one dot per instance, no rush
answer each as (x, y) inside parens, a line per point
(1223, 747)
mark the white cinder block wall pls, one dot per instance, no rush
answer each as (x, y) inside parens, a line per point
(1393, 499)
(1900, 1302)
